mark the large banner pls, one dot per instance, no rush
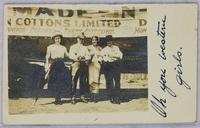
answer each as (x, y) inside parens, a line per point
(123, 21)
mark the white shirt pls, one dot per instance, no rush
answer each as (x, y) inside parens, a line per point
(95, 53)
(56, 51)
(78, 50)
(111, 54)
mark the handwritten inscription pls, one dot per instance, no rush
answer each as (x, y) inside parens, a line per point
(160, 104)
(159, 101)
(163, 83)
(161, 33)
(179, 71)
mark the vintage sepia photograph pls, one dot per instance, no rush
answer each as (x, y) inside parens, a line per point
(99, 64)
(65, 60)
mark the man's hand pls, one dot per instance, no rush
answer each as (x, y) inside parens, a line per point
(114, 57)
(81, 58)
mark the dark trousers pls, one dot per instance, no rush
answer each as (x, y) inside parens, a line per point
(112, 76)
(82, 74)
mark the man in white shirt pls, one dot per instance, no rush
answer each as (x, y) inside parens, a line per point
(111, 57)
(80, 55)
(56, 67)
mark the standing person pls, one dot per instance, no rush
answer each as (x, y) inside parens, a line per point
(56, 67)
(111, 57)
(94, 67)
(80, 55)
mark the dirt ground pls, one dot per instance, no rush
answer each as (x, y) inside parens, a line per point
(46, 105)
(134, 98)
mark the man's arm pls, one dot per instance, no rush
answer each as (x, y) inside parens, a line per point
(87, 54)
(72, 54)
(118, 54)
(104, 54)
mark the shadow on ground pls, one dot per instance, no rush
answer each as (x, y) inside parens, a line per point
(126, 95)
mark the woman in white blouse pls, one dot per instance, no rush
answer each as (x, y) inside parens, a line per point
(94, 67)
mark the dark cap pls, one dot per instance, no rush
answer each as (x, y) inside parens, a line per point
(109, 38)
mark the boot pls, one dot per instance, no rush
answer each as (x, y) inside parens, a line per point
(112, 100)
(117, 100)
(58, 101)
(73, 100)
(94, 98)
(83, 99)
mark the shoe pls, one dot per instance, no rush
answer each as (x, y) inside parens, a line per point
(58, 103)
(112, 101)
(83, 99)
(94, 99)
(73, 100)
(117, 101)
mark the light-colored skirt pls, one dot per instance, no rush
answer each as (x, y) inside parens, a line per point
(94, 73)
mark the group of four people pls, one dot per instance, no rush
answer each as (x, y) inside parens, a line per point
(87, 61)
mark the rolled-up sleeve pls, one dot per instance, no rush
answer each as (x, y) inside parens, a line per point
(87, 54)
(103, 53)
(72, 54)
(119, 53)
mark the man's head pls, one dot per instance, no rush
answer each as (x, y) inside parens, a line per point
(109, 40)
(95, 40)
(57, 37)
(81, 38)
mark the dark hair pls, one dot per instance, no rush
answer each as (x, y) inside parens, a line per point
(53, 38)
(96, 37)
(98, 40)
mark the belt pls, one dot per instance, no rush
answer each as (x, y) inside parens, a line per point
(56, 59)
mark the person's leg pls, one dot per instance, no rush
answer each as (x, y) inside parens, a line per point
(109, 80)
(83, 81)
(109, 83)
(116, 75)
(74, 84)
(75, 75)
